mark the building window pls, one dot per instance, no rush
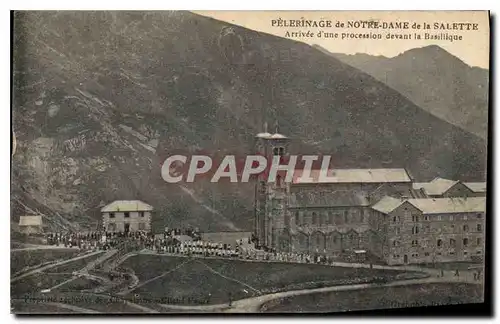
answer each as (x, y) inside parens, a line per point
(111, 215)
(479, 216)
(439, 217)
(479, 252)
(465, 217)
(331, 218)
(346, 215)
(479, 241)
(465, 253)
(414, 218)
(452, 242)
(426, 218)
(466, 228)
(395, 243)
(394, 219)
(452, 253)
(414, 243)
(466, 241)
(127, 214)
(426, 253)
(451, 217)
(141, 214)
(479, 227)
(439, 243)
(397, 231)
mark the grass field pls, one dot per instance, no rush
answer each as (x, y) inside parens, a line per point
(377, 298)
(53, 276)
(201, 281)
(75, 265)
(28, 258)
(35, 283)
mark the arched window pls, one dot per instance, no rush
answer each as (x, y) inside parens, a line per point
(439, 243)
(314, 218)
(466, 241)
(466, 228)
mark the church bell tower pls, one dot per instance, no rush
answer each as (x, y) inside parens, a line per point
(270, 197)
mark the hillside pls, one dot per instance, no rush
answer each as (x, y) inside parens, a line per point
(101, 98)
(435, 80)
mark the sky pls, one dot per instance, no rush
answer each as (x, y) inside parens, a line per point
(473, 49)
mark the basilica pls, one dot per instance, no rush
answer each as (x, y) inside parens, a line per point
(381, 211)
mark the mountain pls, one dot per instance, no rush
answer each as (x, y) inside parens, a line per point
(435, 80)
(100, 99)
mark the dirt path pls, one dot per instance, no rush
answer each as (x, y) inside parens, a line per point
(253, 304)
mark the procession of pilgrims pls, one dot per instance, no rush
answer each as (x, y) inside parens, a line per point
(169, 243)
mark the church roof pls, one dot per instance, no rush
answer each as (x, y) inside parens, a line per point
(354, 176)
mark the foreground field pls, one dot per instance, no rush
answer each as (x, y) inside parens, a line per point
(178, 280)
(22, 259)
(56, 275)
(379, 298)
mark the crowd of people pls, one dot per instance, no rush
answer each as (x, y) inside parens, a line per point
(171, 242)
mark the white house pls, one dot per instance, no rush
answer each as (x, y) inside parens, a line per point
(127, 216)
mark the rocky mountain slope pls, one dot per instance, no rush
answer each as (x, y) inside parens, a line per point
(101, 98)
(435, 80)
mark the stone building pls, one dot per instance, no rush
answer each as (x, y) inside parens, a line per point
(428, 230)
(346, 212)
(312, 215)
(126, 216)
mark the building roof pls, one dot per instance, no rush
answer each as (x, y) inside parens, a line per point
(126, 205)
(338, 198)
(476, 186)
(387, 204)
(436, 187)
(435, 205)
(354, 176)
(263, 135)
(278, 136)
(30, 221)
(450, 205)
